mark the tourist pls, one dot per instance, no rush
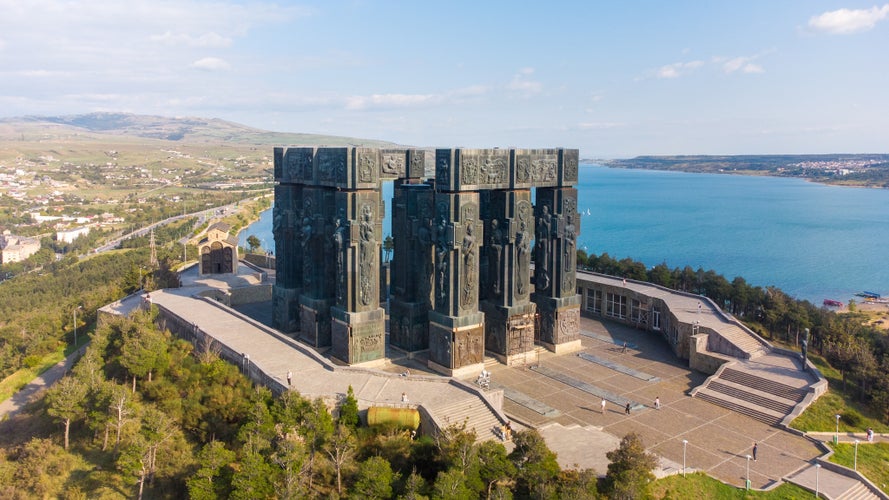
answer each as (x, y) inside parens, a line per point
(289, 378)
(603, 406)
(404, 397)
(624, 348)
(507, 431)
(870, 435)
(627, 409)
(754, 452)
(657, 403)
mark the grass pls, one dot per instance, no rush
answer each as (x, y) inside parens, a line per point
(22, 377)
(699, 485)
(873, 461)
(821, 415)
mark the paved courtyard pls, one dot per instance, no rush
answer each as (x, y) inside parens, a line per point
(718, 440)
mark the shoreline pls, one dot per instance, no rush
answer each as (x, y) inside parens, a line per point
(744, 173)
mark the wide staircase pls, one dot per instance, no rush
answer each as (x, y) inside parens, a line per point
(477, 415)
(742, 339)
(858, 492)
(764, 399)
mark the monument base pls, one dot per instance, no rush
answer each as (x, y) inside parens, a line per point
(409, 325)
(456, 342)
(314, 322)
(462, 372)
(287, 309)
(509, 331)
(358, 337)
(559, 323)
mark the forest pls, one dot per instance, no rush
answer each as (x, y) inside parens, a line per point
(145, 415)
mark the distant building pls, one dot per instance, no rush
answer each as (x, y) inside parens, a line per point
(70, 235)
(17, 248)
(219, 250)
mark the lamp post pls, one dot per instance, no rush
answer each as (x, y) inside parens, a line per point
(855, 463)
(684, 444)
(817, 468)
(836, 437)
(747, 482)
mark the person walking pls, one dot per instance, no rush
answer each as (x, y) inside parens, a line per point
(603, 406)
(657, 403)
(754, 452)
(627, 409)
(289, 378)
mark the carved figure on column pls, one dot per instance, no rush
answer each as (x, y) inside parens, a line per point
(339, 242)
(569, 254)
(306, 239)
(496, 245)
(468, 249)
(424, 242)
(366, 253)
(523, 242)
(544, 233)
(442, 247)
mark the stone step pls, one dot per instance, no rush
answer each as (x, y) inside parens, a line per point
(764, 400)
(858, 492)
(762, 414)
(477, 415)
(763, 384)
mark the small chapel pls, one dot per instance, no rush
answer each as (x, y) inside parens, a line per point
(218, 250)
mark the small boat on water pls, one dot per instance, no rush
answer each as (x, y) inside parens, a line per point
(868, 295)
(832, 303)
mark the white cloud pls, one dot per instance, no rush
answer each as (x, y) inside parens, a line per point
(207, 40)
(521, 84)
(676, 70)
(211, 64)
(742, 64)
(389, 101)
(599, 125)
(848, 21)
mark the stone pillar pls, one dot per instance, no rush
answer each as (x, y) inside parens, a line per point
(456, 327)
(358, 322)
(319, 270)
(289, 171)
(412, 267)
(555, 274)
(509, 313)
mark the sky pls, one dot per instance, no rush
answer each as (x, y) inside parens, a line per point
(614, 79)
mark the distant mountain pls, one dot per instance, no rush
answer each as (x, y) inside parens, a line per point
(185, 129)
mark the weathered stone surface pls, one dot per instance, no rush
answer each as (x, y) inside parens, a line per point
(464, 233)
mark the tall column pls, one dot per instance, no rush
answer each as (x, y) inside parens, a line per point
(412, 266)
(456, 327)
(358, 322)
(286, 215)
(509, 313)
(555, 272)
(319, 271)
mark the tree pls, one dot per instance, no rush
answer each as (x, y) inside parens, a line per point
(413, 487)
(451, 485)
(349, 410)
(535, 462)
(374, 480)
(253, 243)
(144, 350)
(494, 464)
(253, 478)
(388, 246)
(212, 458)
(340, 448)
(65, 402)
(630, 469)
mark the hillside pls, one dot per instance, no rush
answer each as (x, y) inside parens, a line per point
(105, 127)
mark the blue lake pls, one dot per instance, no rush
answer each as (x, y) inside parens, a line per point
(810, 240)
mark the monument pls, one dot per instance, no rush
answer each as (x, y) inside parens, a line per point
(461, 273)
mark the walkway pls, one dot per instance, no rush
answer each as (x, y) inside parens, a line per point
(29, 392)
